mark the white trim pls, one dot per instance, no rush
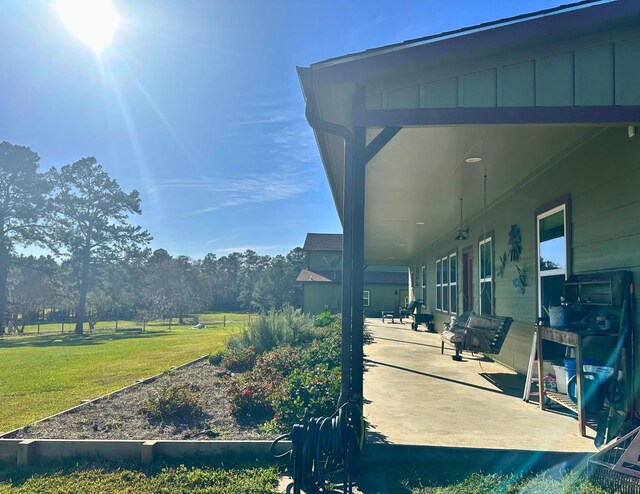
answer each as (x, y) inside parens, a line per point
(486, 279)
(551, 272)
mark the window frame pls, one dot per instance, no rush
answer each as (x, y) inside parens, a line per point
(366, 298)
(423, 271)
(453, 283)
(448, 287)
(438, 285)
(552, 207)
(487, 279)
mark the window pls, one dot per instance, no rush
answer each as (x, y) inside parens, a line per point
(447, 283)
(485, 249)
(453, 283)
(424, 285)
(439, 284)
(366, 298)
(552, 255)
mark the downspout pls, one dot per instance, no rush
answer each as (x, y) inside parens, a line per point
(347, 239)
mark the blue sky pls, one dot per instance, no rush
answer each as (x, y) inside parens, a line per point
(197, 105)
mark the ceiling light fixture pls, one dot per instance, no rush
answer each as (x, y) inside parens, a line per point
(462, 233)
(419, 222)
(473, 159)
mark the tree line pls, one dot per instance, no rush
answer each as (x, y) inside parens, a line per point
(99, 265)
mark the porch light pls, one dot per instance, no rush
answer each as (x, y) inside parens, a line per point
(462, 233)
(473, 159)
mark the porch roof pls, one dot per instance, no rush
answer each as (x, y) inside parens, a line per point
(521, 93)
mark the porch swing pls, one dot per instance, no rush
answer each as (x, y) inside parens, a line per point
(477, 333)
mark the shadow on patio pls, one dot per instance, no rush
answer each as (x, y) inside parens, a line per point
(415, 395)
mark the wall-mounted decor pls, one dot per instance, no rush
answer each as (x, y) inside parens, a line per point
(515, 243)
(503, 264)
(522, 280)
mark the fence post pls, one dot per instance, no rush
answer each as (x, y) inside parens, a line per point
(224, 322)
(62, 327)
(38, 327)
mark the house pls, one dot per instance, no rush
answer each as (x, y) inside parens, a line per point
(385, 287)
(496, 160)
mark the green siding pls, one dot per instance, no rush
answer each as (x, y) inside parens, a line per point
(602, 69)
(440, 94)
(518, 84)
(602, 178)
(595, 76)
(408, 97)
(317, 295)
(627, 56)
(324, 260)
(479, 89)
(554, 80)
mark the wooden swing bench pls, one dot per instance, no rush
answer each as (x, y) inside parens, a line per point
(477, 334)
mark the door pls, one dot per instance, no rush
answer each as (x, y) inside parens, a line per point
(467, 280)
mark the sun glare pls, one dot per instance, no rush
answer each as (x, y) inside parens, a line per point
(93, 21)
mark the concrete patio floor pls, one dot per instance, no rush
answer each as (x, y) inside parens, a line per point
(415, 395)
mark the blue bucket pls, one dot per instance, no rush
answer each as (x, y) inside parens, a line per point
(570, 367)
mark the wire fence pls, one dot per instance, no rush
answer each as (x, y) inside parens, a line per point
(199, 321)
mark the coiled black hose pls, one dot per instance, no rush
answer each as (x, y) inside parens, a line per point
(321, 447)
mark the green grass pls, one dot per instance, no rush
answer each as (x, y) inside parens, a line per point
(108, 479)
(207, 318)
(445, 481)
(43, 375)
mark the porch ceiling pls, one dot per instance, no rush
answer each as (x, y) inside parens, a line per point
(419, 176)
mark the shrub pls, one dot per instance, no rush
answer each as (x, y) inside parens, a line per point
(178, 402)
(252, 394)
(275, 328)
(323, 320)
(217, 357)
(239, 359)
(315, 390)
(278, 363)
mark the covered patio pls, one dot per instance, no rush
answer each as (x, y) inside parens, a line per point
(415, 395)
(495, 162)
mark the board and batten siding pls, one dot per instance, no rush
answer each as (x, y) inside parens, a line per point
(599, 70)
(602, 178)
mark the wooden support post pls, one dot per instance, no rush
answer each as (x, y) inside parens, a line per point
(38, 327)
(148, 452)
(224, 322)
(26, 451)
(62, 327)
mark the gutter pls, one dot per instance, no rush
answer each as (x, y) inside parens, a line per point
(319, 125)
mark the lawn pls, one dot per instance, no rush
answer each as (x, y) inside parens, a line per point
(43, 375)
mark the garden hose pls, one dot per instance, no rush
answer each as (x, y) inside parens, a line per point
(321, 447)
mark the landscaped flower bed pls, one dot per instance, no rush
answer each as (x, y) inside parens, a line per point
(260, 386)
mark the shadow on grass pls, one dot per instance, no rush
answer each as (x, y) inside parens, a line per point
(80, 340)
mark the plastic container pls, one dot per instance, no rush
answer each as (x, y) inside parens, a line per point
(570, 367)
(561, 378)
(594, 393)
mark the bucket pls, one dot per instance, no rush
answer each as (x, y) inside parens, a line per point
(594, 393)
(561, 378)
(560, 316)
(570, 367)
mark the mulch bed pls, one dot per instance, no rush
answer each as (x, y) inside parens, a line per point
(119, 416)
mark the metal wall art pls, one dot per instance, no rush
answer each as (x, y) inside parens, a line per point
(515, 243)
